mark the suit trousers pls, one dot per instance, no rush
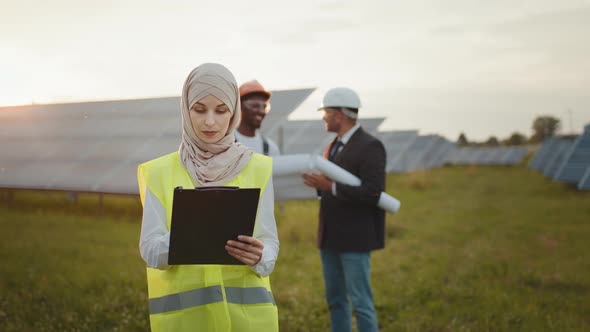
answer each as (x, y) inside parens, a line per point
(347, 278)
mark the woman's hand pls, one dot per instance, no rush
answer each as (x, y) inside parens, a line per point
(247, 250)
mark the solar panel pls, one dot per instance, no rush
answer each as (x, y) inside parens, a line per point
(478, 156)
(559, 154)
(396, 143)
(475, 156)
(576, 161)
(370, 125)
(467, 155)
(412, 157)
(543, 153)
(60, 146)
(513, 155)
(310, 136)
(304, 136)
(486, 155)
(506, 156)
(93, 146)
(584, 183)
(283, 103)
(471, 155)
(457, 155)
(288, 187)
(495, 156)
(437, 154)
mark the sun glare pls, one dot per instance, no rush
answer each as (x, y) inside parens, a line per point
(14, 101)
(12, 94)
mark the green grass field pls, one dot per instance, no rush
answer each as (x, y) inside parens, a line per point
(472, 249)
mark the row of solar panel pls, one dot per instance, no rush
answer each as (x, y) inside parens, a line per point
(565, 159)
(97, 146)
(406, 150)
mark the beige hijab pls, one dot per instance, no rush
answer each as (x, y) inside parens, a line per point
(217, 163)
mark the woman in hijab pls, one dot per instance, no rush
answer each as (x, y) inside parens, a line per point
(209, 297)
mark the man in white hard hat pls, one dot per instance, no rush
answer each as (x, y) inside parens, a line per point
(351, 224)
(255, 101)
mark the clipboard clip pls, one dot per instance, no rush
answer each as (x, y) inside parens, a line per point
(211, 188)
(216, 188)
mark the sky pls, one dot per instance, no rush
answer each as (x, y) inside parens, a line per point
(485, 68)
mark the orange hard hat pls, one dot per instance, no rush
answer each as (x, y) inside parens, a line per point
(253, 86)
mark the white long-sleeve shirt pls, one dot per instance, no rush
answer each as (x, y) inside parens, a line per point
(256, 143)
(154, 241)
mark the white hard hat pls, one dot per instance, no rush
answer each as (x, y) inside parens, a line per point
(340, 97)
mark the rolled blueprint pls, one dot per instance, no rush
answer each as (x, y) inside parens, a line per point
(292, 164)
(289, 165)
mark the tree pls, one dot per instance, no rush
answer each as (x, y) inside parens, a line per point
(492, 141)
(516, 139)
(544, 126)
(462, 140)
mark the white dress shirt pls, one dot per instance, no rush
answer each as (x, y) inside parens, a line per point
(154, 241)
(344, 139)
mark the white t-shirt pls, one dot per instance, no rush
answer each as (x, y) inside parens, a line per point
(255, 143)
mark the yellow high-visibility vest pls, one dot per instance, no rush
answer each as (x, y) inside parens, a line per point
(206, 297)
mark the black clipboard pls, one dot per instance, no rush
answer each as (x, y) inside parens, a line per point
(205, 218)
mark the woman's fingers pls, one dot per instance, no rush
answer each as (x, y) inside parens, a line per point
(245, 260)
(253, 255)
(251, 240)
(247, 250)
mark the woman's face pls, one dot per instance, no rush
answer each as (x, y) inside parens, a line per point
(210, 119)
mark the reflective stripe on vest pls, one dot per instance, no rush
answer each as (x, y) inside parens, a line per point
(248, 295)
(185, 300)
(196, 297)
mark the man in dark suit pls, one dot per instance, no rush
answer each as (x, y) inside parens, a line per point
(351, 224)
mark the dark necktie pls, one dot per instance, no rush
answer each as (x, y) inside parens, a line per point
(334, 149)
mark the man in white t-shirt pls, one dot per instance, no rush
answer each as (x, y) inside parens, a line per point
(255, 102)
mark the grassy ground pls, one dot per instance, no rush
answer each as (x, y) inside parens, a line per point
(472, 249)
(64, 269)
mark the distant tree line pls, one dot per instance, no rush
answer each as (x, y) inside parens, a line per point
(543, 127)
